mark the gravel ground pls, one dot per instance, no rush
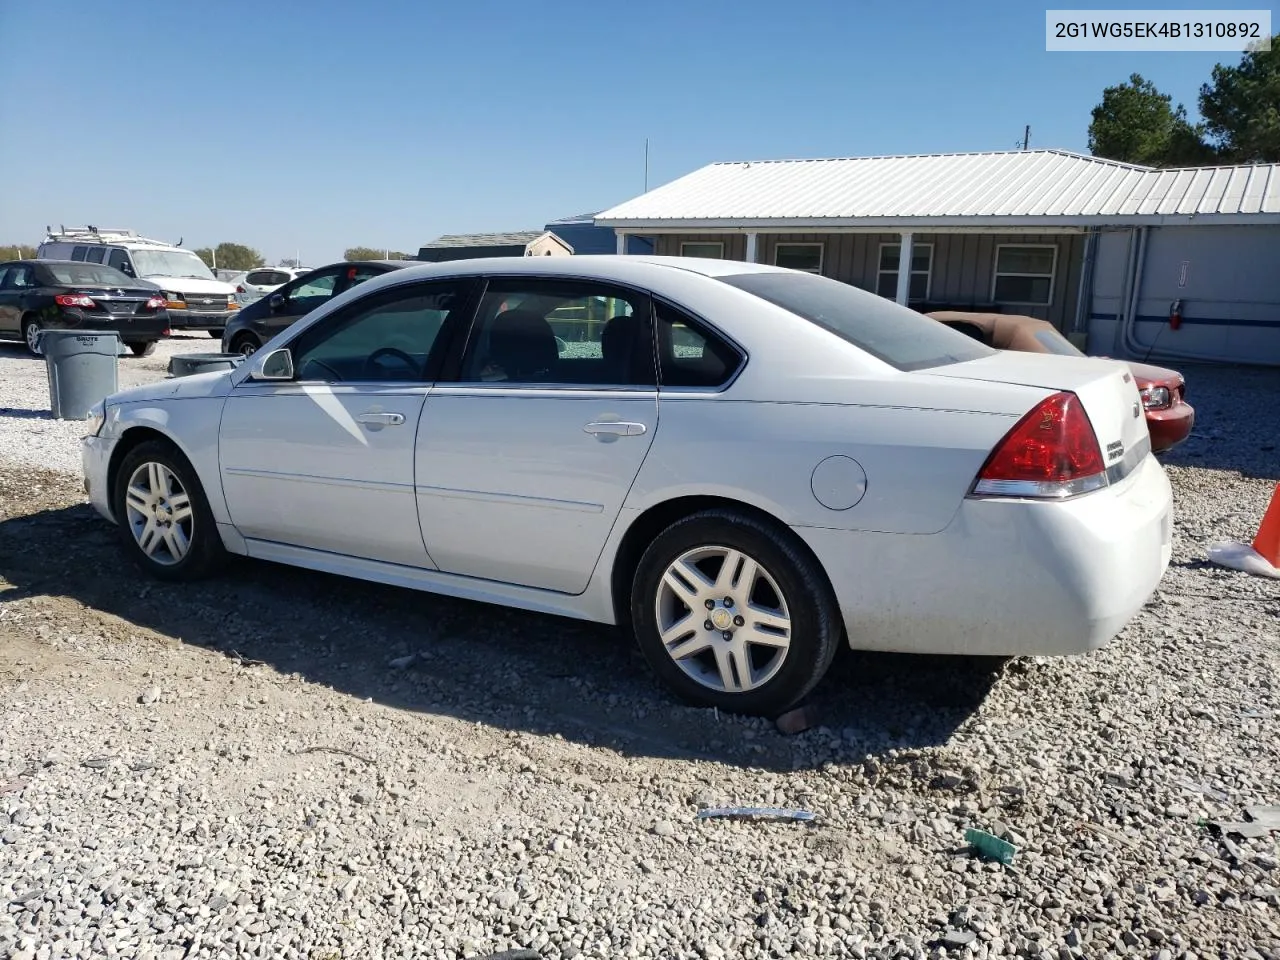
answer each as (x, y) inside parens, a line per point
(28, 433)
(278, 763)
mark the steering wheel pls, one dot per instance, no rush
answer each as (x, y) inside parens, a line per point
(371, 364)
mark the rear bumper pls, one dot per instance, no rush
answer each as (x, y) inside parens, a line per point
(132, 329)
(1168, 428)
(1007, 577)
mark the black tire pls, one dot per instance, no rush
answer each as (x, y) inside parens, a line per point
(144, 349)
(245, 343)
(205, 553)
(216, 334)
(815, 630)
(29, 323)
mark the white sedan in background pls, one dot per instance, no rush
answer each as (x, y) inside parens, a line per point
(744, 465)
(256, 284)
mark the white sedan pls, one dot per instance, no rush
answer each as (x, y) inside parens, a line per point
(744, 465)
(256, 284)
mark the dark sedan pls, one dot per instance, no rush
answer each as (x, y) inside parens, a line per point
(38, 295)
(264, 318)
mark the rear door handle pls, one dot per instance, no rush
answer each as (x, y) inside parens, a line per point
(382, 419)
(615, 428)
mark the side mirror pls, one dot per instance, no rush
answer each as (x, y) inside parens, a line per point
(276, 302)
(276, 365)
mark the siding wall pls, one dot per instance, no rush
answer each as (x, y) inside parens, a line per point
(1230, 294)
(963, 264)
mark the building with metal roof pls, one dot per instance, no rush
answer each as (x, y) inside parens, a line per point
(1093, 245)
(520, 243)
(587, 237)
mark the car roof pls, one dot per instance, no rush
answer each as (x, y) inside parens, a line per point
(591, 266)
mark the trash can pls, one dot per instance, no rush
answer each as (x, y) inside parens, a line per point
(82, 368)
(183, 365)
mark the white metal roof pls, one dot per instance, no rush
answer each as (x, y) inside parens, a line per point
(1013, 188)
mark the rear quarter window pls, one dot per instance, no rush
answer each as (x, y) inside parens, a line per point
(886, 330)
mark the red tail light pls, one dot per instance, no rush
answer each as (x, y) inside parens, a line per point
(239, 288)
(1052, 453)
(157, 303)
(74, 300)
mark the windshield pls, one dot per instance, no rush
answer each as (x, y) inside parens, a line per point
(81, 274)
(1054, 342)
(170, 263)
(900, 337)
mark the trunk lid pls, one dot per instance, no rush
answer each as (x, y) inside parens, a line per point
(1106, 389)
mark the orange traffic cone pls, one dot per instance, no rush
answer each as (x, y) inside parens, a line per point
(1267, 542)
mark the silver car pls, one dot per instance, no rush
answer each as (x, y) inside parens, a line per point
(745, 466)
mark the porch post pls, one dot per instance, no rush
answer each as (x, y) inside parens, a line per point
(751, 248)
(904, 270)
(622, 243)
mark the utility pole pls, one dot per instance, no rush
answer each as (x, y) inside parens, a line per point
(1025, 142)
(646, 164)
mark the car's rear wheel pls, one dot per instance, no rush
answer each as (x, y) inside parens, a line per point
(164, 515)
(216, 334)
(31, 334)
(143, 349)
(246, 344)
(732, 612)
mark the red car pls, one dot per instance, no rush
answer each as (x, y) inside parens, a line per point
(1169, 416)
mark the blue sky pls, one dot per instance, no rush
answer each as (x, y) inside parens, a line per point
(313, 126)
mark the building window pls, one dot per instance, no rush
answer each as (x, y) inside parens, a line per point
(799, 256)
(710, 251)
(1024, 274)
(921, 269)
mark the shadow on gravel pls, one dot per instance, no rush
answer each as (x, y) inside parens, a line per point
(482, 664)
(12, 413)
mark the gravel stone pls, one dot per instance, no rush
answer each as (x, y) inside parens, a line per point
(527, 785)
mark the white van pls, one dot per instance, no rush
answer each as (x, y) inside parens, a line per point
(197, 299)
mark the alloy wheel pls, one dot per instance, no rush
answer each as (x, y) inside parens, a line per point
(723, 619)
(159, 514)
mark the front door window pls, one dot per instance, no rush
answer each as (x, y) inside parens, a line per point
(388, 340)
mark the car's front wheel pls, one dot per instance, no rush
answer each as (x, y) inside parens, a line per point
(164, 515)
(245, 344)
(216, 334)
(732, 612)
(143, 349)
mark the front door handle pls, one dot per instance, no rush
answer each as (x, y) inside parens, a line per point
(382, 419)
(615, 428)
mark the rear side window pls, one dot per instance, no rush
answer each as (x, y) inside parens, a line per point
(78, 253)
(887, 331)
(689, 354)
(96, 255)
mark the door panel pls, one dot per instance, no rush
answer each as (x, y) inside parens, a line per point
(523, 466)
(512, 487)
(9, 305)
(327, 461)
(325, 466)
